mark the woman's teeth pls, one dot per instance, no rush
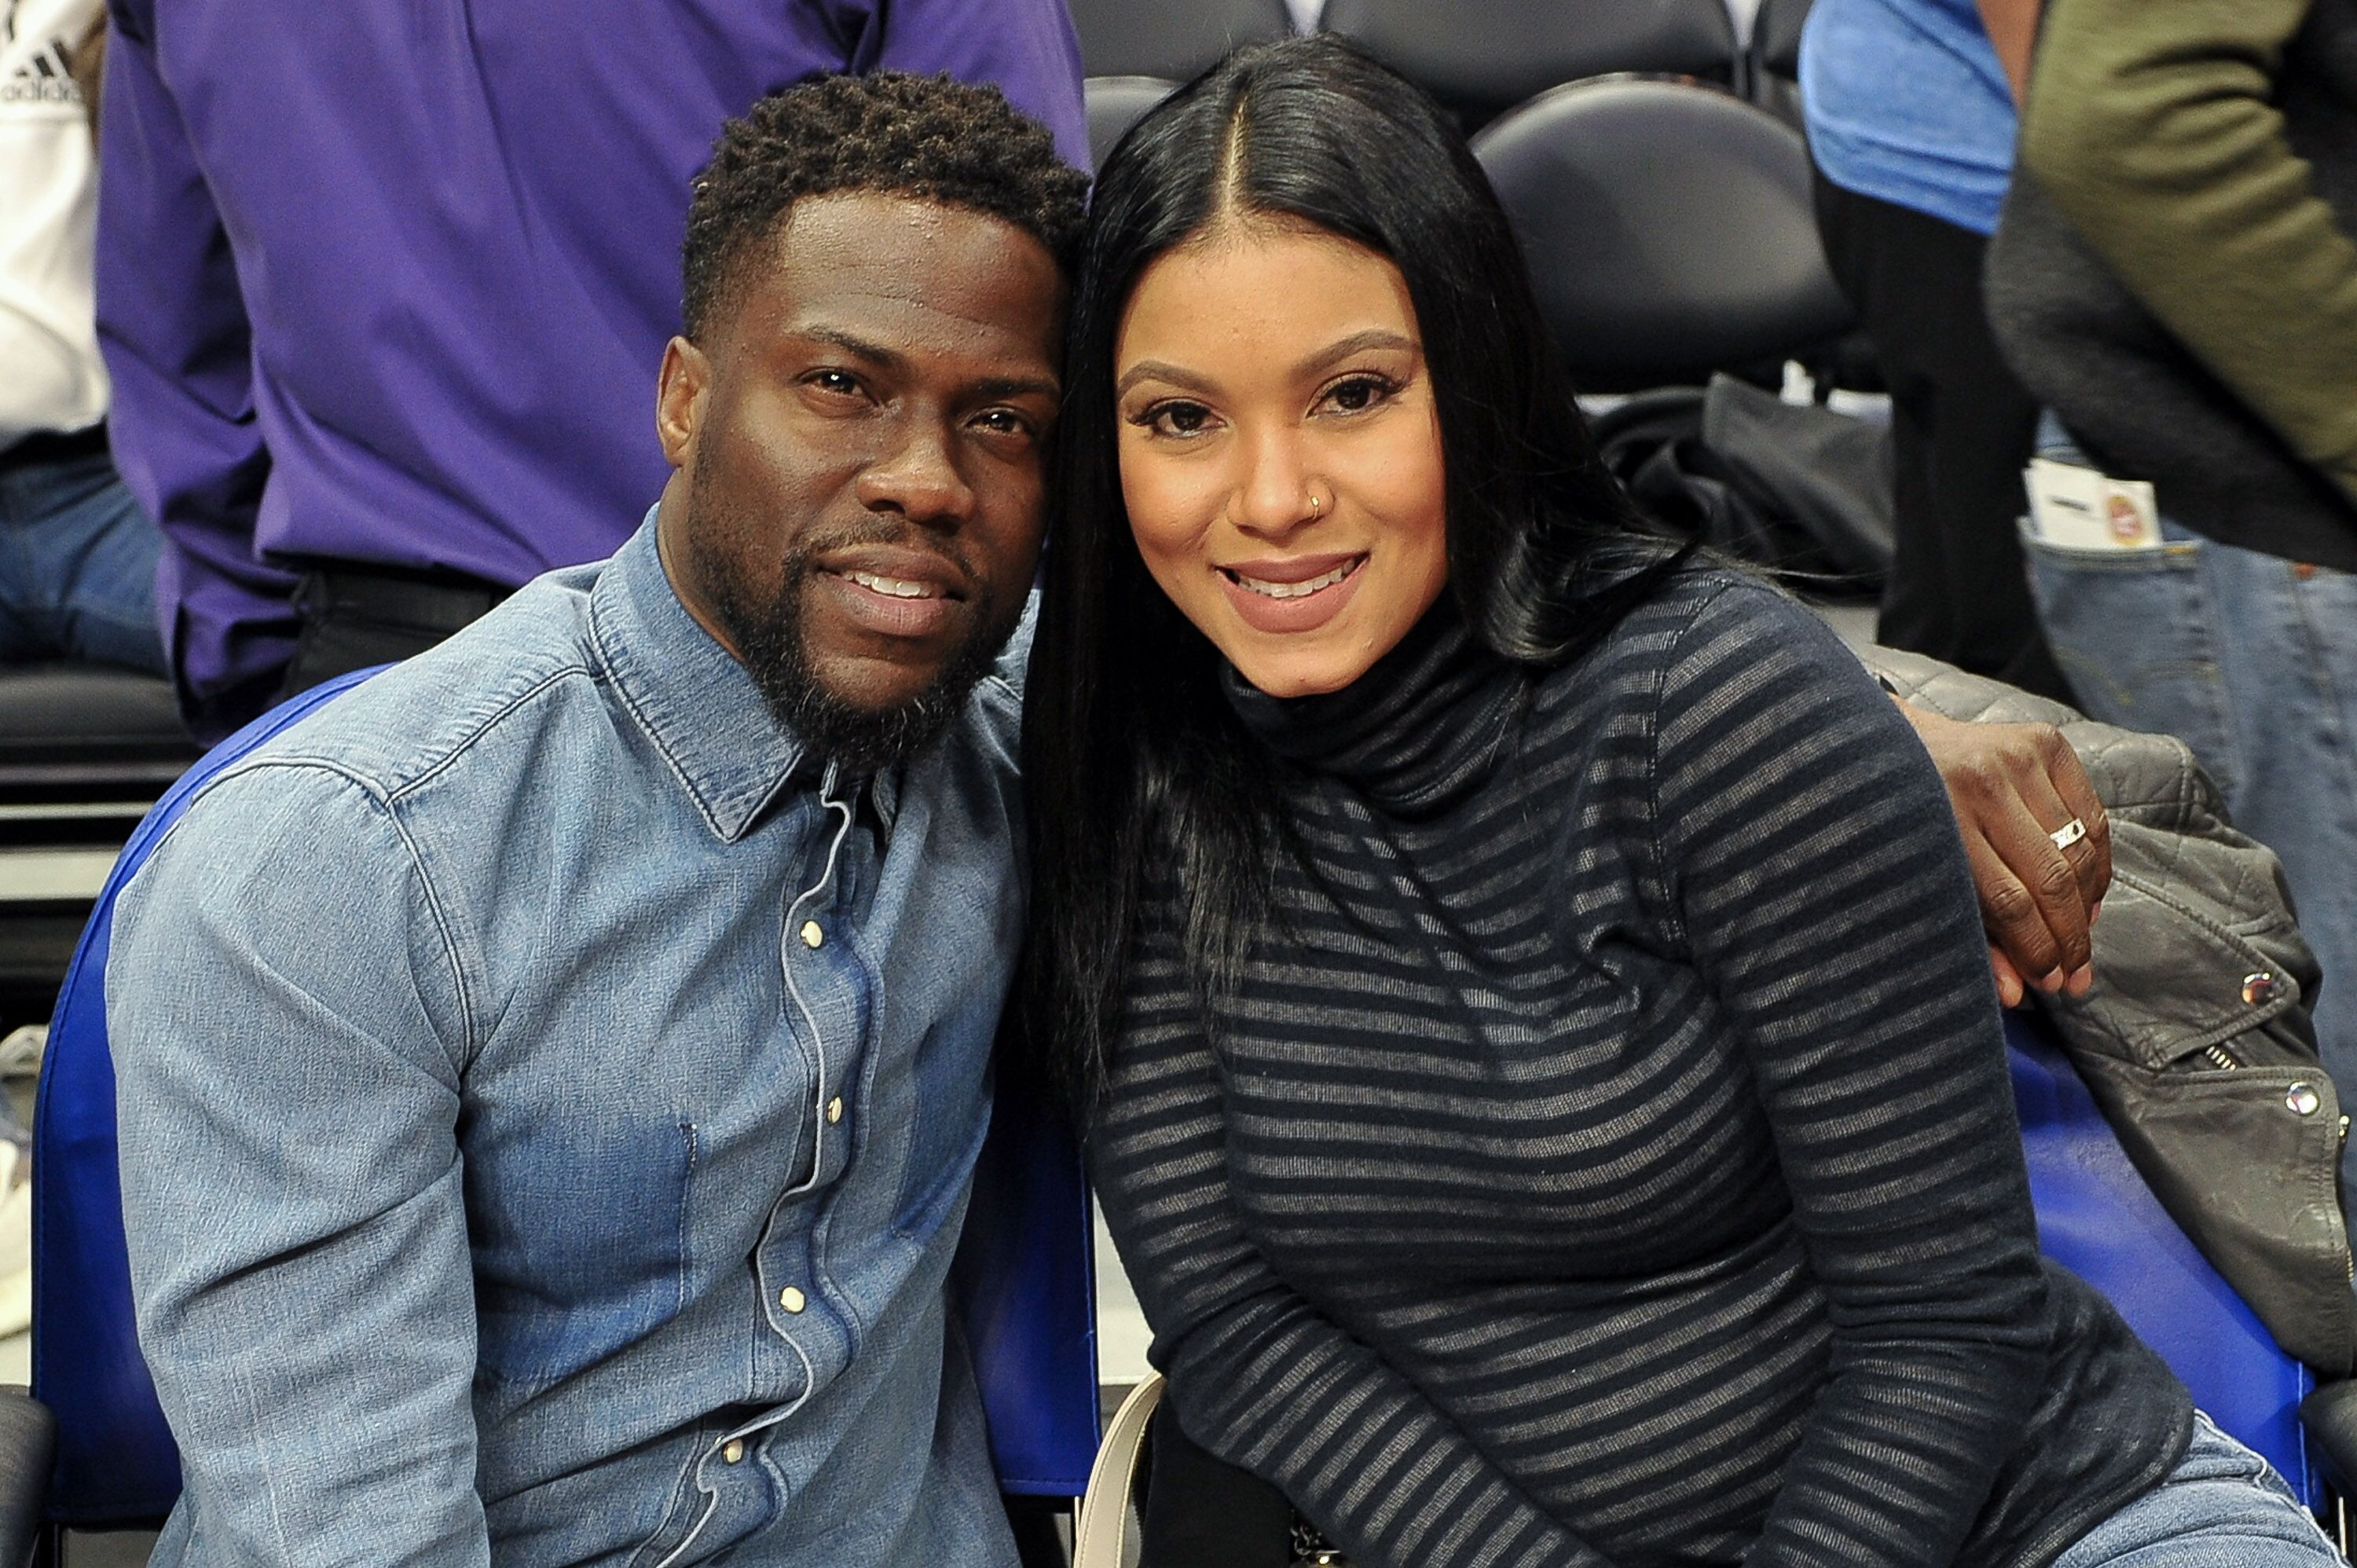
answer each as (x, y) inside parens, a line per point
(894, 587)
(1300, 590)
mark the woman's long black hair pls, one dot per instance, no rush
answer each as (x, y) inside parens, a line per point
(1130, 752)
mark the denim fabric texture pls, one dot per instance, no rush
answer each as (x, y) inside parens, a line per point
(549, 1098)
(77, 565)
(2251, 659)
(2222, 1507)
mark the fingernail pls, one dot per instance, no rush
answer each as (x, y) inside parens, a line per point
(2083, 980)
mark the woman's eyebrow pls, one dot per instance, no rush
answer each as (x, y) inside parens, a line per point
(1156, 370)
(1356, 343)
(1324, 359)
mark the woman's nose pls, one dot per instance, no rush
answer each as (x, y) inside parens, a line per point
(1272, 492)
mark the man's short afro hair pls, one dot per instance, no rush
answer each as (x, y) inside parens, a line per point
(890, 134)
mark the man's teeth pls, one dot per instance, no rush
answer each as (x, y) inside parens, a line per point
(1295, 590)
(896, 587)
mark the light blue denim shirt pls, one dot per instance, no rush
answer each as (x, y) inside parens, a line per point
(548, 1103)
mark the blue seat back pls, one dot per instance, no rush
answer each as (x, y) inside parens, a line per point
(2097, 1219)
(1024, 1269)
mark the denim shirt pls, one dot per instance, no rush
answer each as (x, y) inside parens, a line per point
(549, 1097)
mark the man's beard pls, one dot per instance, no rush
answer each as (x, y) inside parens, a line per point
(771, 643)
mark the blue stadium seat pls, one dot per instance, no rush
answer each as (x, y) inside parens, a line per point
(1023, 1278)
(2097, 1219)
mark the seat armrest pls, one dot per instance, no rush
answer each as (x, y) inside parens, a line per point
(2329, 1417)
(28, 1439)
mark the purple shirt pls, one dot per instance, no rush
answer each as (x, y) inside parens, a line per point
(390, 283)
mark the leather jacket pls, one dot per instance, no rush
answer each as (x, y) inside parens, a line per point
(2195, 1038)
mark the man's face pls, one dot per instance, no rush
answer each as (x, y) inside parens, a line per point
(860, 441)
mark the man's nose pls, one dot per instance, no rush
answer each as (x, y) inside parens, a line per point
(919, 477)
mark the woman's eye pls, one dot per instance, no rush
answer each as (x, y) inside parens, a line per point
(1359, 394)
(1179, 419)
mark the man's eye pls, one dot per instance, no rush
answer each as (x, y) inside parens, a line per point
(1003, 422)
(840, 382)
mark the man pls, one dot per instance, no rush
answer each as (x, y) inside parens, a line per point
(77, 555)
(551, 1075)
(380, 284)
(2176, 277)
(1909, 105)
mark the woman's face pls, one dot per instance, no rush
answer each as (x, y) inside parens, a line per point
(1280, 450)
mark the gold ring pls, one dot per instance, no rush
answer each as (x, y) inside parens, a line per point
(1317, 504)
(2070, 832)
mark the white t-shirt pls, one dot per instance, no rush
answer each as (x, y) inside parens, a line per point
(50, 374)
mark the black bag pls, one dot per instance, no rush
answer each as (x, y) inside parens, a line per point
(1797, 488)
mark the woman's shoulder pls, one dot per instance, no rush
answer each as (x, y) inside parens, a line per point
(1706, 620)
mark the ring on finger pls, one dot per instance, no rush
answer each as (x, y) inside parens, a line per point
(2070, 832)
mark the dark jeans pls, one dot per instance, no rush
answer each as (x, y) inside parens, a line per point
(77, 557)
(1961, 427)
(356, 615)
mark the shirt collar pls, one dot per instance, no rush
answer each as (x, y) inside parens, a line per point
(695, 700)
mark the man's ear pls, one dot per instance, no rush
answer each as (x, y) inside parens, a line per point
(680, 399)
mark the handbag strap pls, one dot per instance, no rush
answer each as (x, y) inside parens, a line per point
(1112, 1479)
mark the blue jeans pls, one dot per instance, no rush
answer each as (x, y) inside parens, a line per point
(2252, 661)
(77, 565)
(2222, 1507)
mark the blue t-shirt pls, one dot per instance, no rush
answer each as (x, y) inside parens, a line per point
(1906, 103)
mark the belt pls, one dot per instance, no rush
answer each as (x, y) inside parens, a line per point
(56, 446)
(439, 601)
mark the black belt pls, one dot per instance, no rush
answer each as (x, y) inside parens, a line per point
(56, 446)
(428, 600)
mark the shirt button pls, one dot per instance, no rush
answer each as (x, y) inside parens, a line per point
(732, 1451)
(792, 1299)
(834, 1108)
(811, 935)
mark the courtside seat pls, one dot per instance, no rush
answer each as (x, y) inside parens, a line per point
(1775, 56)
(2097, 1219)
(1176, 40)
(1114, 104)
(1670, 231)
(1483, 56)
(1023, 1278)
(84, 751)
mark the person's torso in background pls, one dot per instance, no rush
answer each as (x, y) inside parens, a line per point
(1906, 103)
(50, 375)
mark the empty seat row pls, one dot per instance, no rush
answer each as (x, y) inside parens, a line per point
(1478, 57)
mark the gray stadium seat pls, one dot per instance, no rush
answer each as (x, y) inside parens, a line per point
(1669, 230)
(1117, 102)
(1177, 39)
(1775, 68)
(1483, 56)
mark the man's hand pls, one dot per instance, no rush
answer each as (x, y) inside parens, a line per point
(2012, 786)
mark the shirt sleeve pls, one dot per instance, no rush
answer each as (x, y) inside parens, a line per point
(173, 331)
(1258, 1377)
(286, 1047)
(1809, 855)
(1026, 48)
(2154, 129)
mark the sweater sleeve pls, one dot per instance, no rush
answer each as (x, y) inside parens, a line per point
(1258, 1377)
(2155, 130)
(1808, 851)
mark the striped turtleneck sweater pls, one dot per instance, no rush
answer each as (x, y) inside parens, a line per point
(1606, 1155)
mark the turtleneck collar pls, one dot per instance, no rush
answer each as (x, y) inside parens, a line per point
(1419, 732)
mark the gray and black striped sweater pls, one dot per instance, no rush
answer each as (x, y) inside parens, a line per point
(1607, 1156)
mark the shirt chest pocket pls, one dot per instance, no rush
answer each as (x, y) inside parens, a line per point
(580, 1240)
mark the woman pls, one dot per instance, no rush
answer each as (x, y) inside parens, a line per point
(1522, 986)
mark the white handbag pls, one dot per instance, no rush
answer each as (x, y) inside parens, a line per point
(1113, 1480)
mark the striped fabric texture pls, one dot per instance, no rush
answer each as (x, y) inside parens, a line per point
(1607, 1155)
